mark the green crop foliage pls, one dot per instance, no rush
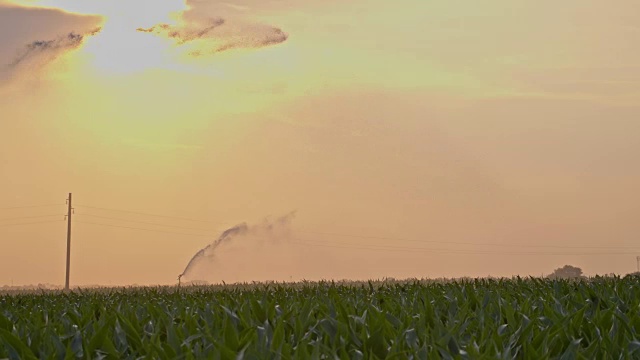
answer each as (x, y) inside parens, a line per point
(474, 319)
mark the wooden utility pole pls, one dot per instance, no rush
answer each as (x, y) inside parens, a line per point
(69, 212)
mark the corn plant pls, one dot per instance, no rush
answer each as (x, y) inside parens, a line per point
(472, 319)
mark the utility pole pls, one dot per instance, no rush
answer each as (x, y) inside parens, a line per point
(69, 212)
(638, 262)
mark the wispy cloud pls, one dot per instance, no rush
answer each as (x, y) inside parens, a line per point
(52, 48)
(218, 35)
(183, 35)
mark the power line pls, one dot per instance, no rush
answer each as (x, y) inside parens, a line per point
(29, 206)
(135, 228)
(30, 217)
(468, 243)
(146, 214)
(355, 236)
(143, 222)
(326, 244)
(390, 247)
(452, 251)
(30, 223)
(360, 236)
(376, 247)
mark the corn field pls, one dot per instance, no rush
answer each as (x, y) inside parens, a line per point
(517, 318)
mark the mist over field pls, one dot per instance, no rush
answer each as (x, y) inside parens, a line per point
(414, 139)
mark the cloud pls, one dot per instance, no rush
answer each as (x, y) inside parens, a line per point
(183, 35)
(218, 35)
(51, 49)
(201, 32)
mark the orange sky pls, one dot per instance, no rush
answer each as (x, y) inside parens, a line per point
(430, 130)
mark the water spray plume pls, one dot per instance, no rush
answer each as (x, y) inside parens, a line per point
(231, 234)
(227, 235)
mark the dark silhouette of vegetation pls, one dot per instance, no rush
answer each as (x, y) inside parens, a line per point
(567, 272)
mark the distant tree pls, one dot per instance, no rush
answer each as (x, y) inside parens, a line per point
(566, 272)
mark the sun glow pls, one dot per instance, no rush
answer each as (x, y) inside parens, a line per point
(137, 36)
(119, 48)
(122, 66)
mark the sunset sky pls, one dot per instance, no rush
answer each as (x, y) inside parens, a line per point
(412, 138)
